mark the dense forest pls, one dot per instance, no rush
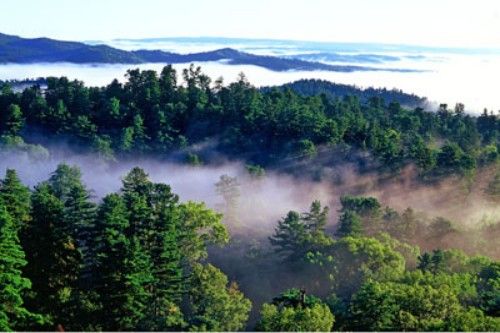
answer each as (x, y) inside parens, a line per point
(152, 114)
(137, 260)
(143, 259)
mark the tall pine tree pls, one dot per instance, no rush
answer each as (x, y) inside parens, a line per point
(13, 314)
(121, 269)
(53, 257)
(16, 198)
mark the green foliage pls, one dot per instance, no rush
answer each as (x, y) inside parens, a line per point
(16, 198)
(489, 289)
(350, 224)
(391, 306)
(471, 320)
(361, 205)
(215, 305)
(306, 148)
(125, 266)
(133, 261)
(451, 157)
(351, 261)
(256, 171)
(102, 146)
(200, 227)
(421, 303)
(13, 121)
(451, 261)
(360, 215)
(173, 237)
(121, 270)
(295, 312)
(13, 313)
(193, 160)
(156, 114)
(53, 257)
(298, 235)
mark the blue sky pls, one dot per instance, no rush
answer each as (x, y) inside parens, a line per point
(423, 22)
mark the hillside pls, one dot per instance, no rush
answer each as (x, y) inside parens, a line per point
(313, 87)
(404, 200)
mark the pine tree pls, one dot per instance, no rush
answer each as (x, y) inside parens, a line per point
(63, 180)
(77, 220)
(168, 286)
(13, 313)
(79, 216)
(54, 260)
(136, 181)
(290, 237)
(79, 210)
(154, 225)
(316, 218)
(14, 120)
(350, 224)
(137, 192)
(16, 198)
(140, 279)
(121, 269)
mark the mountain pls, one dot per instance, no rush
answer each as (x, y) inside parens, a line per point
(14, 49)
(313, 87)
(349, 58)
(301, 46)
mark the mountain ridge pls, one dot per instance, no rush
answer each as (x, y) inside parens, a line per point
(15, 49)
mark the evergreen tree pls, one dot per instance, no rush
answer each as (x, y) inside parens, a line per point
(13, 313)
(16, 198)
(14, 121)
(54, 260)
(119, 276)
(290, 237)
(297, 235)
(316, 218)
(350, 224)
(166, 257)
(78, 218)
(63, 180)
(156, 224)
(79, 215)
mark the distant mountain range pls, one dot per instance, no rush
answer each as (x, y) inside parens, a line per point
(301, 46)
(14, 49)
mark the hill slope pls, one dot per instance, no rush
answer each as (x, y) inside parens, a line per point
(312, 87)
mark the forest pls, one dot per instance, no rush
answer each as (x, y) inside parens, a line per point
(140, 258)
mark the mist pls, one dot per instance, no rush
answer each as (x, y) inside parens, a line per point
(264, 200)
(443, 78)
(249, 258)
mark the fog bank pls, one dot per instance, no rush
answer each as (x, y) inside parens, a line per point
(263, 201)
